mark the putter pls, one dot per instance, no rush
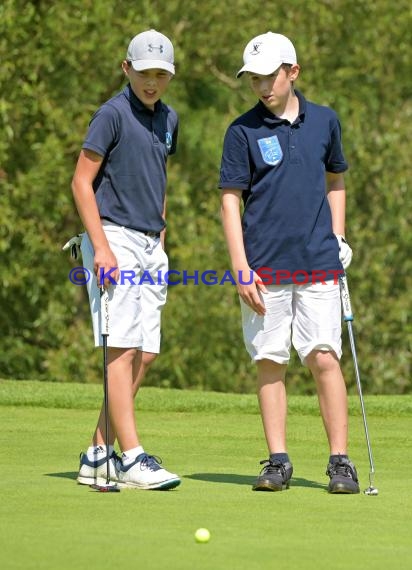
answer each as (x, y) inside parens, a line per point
(104, 315)
(348, 318)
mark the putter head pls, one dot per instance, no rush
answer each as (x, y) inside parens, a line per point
(109, 488)
(371, 491)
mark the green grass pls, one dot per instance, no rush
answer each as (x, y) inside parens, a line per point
(214, 441)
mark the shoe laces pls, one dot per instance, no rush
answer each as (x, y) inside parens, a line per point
(340, 468)
(273, 466)
(150, 462)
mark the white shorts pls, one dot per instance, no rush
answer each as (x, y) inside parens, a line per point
(307, 315)
(136, 301)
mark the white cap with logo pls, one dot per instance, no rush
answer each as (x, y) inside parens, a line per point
(265, 53)
(151, 50)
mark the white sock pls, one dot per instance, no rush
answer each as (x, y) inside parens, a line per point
(130, 455)
(95, 452)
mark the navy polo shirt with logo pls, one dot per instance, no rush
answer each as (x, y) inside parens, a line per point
(280, 167)
(135, 143)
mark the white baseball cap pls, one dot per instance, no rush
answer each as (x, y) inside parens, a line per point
(265, 53)
(151, 50)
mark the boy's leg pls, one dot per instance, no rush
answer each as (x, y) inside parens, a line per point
(267, 339)
(144, 471)
(332, 397)
(135, 312)
(125, 327)
(272, 402)
(124, 333)
(317, 338)
(334, 409)
(137, 469)
(122, 420)
(121, 408)
(142, 363)
(277, 470)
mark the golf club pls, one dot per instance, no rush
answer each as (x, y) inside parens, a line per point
(104, 315)
(348, 318)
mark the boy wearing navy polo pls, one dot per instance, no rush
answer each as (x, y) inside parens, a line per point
(119, 188)
(284, 159)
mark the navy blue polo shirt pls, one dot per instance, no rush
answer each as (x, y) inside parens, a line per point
(280, 167)
(135, 143)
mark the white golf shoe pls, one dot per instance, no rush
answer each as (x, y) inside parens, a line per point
(95, 472)
(146, 473)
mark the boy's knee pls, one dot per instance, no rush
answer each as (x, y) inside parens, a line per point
(148, 358)
(320, 360)
(125, 354)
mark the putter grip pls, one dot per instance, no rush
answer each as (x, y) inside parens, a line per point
(345, 298)
(104, 311)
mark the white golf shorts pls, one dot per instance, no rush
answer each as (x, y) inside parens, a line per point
(136, 301)
(308, 316)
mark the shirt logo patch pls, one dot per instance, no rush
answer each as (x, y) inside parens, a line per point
(271, 150)
(168, 141)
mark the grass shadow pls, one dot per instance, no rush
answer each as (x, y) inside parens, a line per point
(63, 475)
(236, 479)
(300, 482)
(232, 478)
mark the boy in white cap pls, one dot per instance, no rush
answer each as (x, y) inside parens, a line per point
(119, 188)
(284, 159)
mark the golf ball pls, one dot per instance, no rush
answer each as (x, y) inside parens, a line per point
(202, 535)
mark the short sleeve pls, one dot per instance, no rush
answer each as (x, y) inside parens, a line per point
(335, 160)
(235, 170)
(103, 130)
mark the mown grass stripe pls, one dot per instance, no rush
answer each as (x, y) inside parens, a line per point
(88, 397)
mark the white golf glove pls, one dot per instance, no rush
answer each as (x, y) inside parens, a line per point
(345, 252)
(74, 245)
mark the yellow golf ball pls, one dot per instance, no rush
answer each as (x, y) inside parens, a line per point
(202, 535)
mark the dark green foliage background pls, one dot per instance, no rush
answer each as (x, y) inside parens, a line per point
(60, 60)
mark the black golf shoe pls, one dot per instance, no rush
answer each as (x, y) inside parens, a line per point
(343, 477)
(275, 476)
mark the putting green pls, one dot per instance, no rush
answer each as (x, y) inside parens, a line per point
(214, 441)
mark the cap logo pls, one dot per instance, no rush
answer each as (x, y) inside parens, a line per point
(256, 47)
(152, 48)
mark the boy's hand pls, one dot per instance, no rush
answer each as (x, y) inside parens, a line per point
(345, 252)
(105, 267)
(251, 293)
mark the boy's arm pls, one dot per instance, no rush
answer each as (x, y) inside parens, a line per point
(163, 232)
(230, 210)
(337, 201)
(87, 167)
